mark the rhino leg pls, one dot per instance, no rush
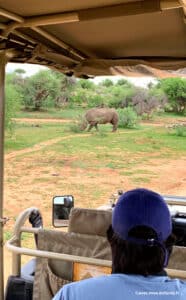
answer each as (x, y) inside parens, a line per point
(114, 128)
(114, 122)
(93, 125)
(96, 126)
(90, 127)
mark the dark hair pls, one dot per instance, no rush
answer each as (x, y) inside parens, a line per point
(131, 258)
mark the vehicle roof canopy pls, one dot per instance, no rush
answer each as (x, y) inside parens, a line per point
(96, 37)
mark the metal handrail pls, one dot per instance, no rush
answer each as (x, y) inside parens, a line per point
(11, 245)
(67, 257)
(175, 200)
(14, 245)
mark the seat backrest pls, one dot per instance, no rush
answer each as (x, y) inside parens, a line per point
(86, 237)
(89, 221)
(178, 258)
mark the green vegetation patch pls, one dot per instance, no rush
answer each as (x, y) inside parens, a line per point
(123, 150)
(119, 150)
(137, 171)
(27, 135)
(7, 235)
(51, 113)
(139, 180)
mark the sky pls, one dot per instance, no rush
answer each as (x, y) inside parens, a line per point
(31, 69)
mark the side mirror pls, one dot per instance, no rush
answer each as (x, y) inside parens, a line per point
(61, 210)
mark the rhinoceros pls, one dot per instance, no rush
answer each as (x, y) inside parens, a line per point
(96, 116)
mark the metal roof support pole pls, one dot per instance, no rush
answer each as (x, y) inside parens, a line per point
(2, 111)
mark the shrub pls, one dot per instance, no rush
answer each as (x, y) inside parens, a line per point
(74, 127)
(86, 84)
(12, 104)
(95, 100)
(175, 89)
(178, 130)
(120, 97)
(86, 98)
(77, 124)
(107, 82)
(127, 118)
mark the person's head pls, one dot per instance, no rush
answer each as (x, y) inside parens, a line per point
(141, 233)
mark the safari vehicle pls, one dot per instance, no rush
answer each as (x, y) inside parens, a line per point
(87, 39)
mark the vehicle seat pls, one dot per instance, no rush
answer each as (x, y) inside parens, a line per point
(86, 236)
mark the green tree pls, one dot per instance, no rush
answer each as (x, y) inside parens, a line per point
(145, 102)
(107, 82)
(87, 98)
(41, 90)
(12, 104)
(67, 86)
(175, 89)
(17, 81)
(120, 96)
(127, 118)
(124, 82)
(20, 71)
(86, 84)
(161, 97)
(48, 88)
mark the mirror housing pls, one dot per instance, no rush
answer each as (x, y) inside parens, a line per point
(61, 210)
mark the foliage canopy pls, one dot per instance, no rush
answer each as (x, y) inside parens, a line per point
(50, 89)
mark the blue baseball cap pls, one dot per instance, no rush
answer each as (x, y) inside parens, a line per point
(141, 207)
